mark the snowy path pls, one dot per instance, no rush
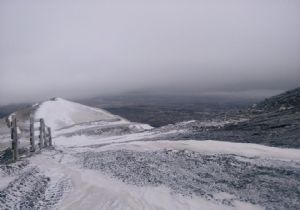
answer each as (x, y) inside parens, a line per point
(155, 175)
(91, 189)
(142, 174)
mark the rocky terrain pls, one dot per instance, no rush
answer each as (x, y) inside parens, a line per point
(274, 122)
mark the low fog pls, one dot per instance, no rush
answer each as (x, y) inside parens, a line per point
(78, 48)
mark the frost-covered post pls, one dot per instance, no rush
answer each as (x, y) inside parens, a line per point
(42, 129)
(14, 135)
(32, 140)
(50, 137)
(45, 136)
(8, 122)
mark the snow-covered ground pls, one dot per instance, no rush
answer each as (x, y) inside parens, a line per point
(102, 161)
(92, 189)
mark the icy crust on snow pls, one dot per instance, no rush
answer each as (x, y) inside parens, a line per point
(143, 142)
(59, 113)
(91, 189)
(96, 141)
(214, 147)
(223, 179)
(100, 128)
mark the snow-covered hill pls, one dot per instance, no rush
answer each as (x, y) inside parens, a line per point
(59, 113)
(102, 161)
(67, 118)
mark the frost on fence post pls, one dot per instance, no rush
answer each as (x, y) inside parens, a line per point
(8, 121)
(50, 137)
(42, 129)
(14, 135)
(45, 131)
(32, 140)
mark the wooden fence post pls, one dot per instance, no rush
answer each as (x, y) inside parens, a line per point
(14, 132)
(42, 129)
(32, 140)
(8, 122)
(46, 136)
(50, 137)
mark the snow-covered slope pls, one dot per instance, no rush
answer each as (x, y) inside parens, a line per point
(69, 119)
(59, 113)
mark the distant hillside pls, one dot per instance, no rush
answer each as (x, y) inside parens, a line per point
(160, 110)
(8, 109)
(274, 122)
(287, 100)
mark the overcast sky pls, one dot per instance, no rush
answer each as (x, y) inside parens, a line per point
(81, 48)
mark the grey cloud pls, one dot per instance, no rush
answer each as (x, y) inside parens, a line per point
(84, 48)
